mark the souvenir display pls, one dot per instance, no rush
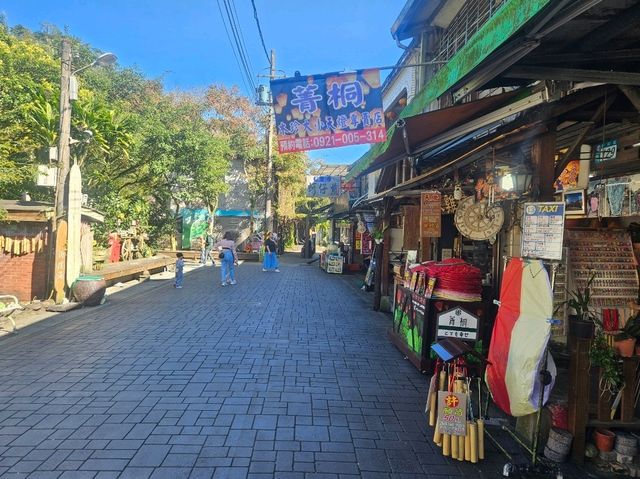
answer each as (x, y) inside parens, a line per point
(477, 220)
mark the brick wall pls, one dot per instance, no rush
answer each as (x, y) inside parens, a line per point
(24, 275)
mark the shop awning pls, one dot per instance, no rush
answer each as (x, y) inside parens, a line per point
(510, 18)
(421, 128)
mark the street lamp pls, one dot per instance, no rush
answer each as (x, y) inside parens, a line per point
(67, 81)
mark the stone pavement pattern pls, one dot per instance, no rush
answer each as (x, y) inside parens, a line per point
(284, 375)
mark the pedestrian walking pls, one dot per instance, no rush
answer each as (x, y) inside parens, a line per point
(228, 259)
(179, 271)
(270, 262)
(203, 249)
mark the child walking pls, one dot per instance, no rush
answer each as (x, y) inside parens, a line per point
(179, 271)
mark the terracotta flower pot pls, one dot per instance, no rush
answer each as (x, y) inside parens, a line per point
(625, 347)
(604, 439)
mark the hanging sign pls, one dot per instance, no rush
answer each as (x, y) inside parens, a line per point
(324, 187)
(606, 151)
(452, 413)
(367, 243)
(543, 230)
(328, 111)
(430, 214)
(457, 323)
(358, 244)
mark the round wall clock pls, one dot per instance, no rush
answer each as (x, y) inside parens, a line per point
(477, 220)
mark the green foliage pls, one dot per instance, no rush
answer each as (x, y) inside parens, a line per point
(631, 329)
(580, 301)
(147, 153)
(604, 357)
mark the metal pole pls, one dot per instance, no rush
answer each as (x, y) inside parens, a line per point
(63, 167)
(268, 194)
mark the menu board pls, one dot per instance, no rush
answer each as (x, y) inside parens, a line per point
(542, 230)
(334, 264)
(430, 214)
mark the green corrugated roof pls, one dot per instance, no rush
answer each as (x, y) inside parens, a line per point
(499, 28)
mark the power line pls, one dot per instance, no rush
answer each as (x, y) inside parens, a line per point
(239, 39)
(242, 73)
(239, 43)
(255, 15)
(239, 26)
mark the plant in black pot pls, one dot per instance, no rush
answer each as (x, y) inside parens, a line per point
(583, 322)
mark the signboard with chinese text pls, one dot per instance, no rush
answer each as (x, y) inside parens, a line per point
(606, 151)
(358, 244)
(334, 264)
(324, 186)
(457, 323)
(367, 243)
(542, 230)
(452, 413)
(328, 111)
(430, 214)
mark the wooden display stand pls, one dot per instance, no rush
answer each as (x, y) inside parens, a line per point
(580, 399)
(415, 324)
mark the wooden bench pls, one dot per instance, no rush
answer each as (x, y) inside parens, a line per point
(127, 270)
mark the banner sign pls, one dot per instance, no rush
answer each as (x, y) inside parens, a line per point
(452, 413)
(542, 230)
(328, 111)
(430, 214)
(324, 186)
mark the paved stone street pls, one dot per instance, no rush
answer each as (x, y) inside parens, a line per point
(284, 375)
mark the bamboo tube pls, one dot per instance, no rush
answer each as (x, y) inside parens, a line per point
(474, 442)
(454, 447)
(461, 450)
(467, 444)
(433, 414)
(480, 439)
(437, 437)
(446, 444)
(443, 380)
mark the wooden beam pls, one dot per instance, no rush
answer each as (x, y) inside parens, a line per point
(624, 55)
(573, 74)
(543, 153)
(583, 134)
(633, 94)
(624, 20)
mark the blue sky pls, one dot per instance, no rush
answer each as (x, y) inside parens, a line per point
(184, 41)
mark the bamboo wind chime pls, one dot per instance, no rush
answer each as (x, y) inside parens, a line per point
(452, 377)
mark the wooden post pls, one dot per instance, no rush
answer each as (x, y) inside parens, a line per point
(578, 395)
(627, 404)
(543, 153)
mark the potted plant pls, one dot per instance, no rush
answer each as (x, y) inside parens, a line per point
(377, 236)
(625, 340)
(583, 322)
(604, 357)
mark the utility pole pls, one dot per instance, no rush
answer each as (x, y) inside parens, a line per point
(59, 259)
(268, 196)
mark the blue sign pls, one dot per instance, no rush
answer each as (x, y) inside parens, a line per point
(328, 111)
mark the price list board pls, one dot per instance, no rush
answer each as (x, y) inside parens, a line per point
(608, 256)
(542, 230)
